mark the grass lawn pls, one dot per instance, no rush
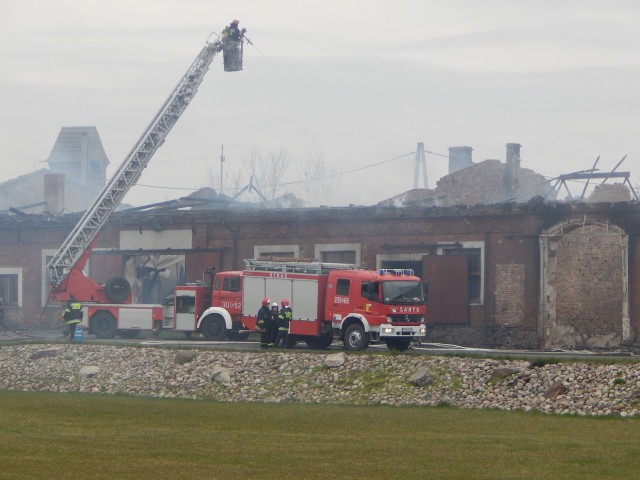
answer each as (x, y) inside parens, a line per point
(46, 435)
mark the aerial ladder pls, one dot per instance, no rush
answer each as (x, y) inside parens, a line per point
(66, 266)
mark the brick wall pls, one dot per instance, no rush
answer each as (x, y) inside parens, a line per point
(509, 294)
(584, 286)
(484, 183)
(614, 192)
(634, 287)
(508, 314)
(589, 281)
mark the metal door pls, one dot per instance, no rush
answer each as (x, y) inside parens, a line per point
(447, 277)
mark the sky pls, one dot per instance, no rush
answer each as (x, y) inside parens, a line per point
(355, 83)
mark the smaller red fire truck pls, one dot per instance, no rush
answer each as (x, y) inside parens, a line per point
(339, 300)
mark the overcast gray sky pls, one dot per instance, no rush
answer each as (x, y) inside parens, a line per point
(359, 82)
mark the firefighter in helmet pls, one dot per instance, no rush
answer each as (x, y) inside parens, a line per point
(283, 323)
(234, 31)
(231, 40)
(263, 322)
(273, 325)
(72, 316)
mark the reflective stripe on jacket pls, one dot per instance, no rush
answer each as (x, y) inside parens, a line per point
(73, 312)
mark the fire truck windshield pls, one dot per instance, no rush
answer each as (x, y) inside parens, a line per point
(402, 292)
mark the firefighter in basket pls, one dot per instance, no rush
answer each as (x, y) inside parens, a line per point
(232, 38)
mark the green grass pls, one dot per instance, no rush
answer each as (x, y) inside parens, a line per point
(46, 435)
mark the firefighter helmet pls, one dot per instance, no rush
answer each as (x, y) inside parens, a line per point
(284, 302)
(265, 302)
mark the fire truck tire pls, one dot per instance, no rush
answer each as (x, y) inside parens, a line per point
(355, 338)
(238, 336)
(213, 328)
(399, 345)
(128, 333)
(117, 289)
(319, 343)
(103, 325)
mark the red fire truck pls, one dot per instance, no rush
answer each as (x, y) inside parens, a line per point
(328, 300)
(339, 300)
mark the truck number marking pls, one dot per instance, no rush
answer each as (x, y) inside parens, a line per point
(341, 300)
(228, 305)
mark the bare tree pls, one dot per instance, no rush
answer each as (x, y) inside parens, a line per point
(319, 180)
(268, 170)
(235, 181)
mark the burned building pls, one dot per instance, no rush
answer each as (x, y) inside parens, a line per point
(528, 275)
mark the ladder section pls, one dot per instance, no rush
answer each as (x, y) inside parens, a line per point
(130, 170)
(296, 266)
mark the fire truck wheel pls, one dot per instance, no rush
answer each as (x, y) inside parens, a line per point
(355, 338)
(399, 345)
(117, 289)
(213, 328)
(128, 333)
(238, 336)
(103, 325)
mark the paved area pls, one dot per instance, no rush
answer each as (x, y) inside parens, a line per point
(174, 339)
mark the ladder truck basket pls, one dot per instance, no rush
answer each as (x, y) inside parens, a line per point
(232, 53)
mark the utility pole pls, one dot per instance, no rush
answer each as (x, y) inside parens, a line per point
(420, 161)
(221, 168)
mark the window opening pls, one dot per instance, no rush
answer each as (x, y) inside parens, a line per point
(231, 284)
(344, 256)
(9, 289)
(342, 286)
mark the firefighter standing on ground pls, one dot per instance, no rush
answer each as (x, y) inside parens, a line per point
(72, 316)
(283, 323)
(263, 322)
(273, 324)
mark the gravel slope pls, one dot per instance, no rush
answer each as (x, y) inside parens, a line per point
(277, 376)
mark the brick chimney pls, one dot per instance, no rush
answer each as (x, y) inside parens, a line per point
(54, 192)
(512, 170)
(459, 158)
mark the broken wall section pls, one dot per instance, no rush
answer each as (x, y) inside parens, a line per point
(584, 286)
